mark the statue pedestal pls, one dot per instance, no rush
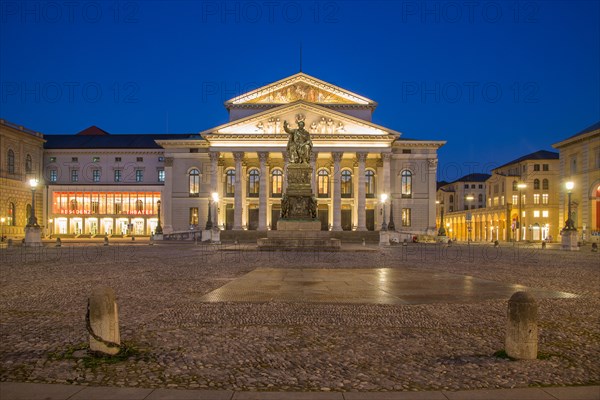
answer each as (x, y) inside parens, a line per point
(33, 236)
(568, 241)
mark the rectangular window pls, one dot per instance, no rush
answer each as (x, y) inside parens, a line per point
(95, 207)
(523, 214)
(545, 198)
(118, 175)
(545, 167)
(52, 159)
(96, 175)
(545, 214)
(74, 175)
(139, 159)
(523, 198)
(406, 151)
(96, 159)
(161, 175)
(573, 165)
(502, 200)
(466, 185)
(139, 175)
(515, 199)
(74, 159)
(161, 159)
(536, 199)
(536, 214)
(406, 217)
(117, 159)
(536, 167)
(193, 216)
(473, 186)
(480, 186)
(53, 175)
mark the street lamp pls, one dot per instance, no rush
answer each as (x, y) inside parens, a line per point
(520, 186)
(158, 230)
(2, 220)
(50, 220)
(469, 217)
(569, 223)
(383, 200)
(209, 222)
(32, 222)
(215, 198)
(442, 230)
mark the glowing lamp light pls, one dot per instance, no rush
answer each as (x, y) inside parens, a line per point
(384, 197)
(33, 182)
(215, 196)
(570, 185)
(521, 186)
(470, 198)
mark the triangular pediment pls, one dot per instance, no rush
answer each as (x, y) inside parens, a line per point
(300, 87)
(318, 121)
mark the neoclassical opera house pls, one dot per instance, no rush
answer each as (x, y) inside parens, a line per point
(239, 168)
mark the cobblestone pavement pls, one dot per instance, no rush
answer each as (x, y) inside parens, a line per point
(177, 341)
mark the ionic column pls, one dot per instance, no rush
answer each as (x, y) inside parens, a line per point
(337, 192)
(313, 166)
(361, 201)
(386, 173)
(263, 191)
(214, 179)
(237, 200)
(431, 189)
(166, 198)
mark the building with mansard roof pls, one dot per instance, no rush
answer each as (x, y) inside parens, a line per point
(354, 161)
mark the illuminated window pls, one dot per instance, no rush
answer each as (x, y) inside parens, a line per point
(323, 183)
(406, 183)
(253, 183)
(28, 164)
(545, 184)
(406, 217)
(11, 162)
(536, 199)
(229, 183)
(545, 198)
(96, 175)
(74, 175)
(139, 205)
(11, 220)
(194, 182)
(139, 175)
(515, 199)
(370, 183)
(53, 175)
(276, 182)
(118, 175)
(161, 175)
(193, 216)
(346, 183)
(536, 214)
(545, 214)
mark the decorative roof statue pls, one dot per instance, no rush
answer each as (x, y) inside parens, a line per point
(299, 147)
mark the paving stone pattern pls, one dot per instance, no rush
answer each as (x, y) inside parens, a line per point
(186, 342)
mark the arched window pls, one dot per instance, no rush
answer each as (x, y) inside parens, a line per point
(515, 187)
(73, 205)
(276, 183)
(194, 179)
(253, 183)
(451, 198)
(28, 164)
(536, 184)
(406, 183)
(11, 162)
(11, 220)
(139, 206)
(370, 183)
(545, 184)
(346, 183)
(480, 198)
(323, 183)
(230, 182)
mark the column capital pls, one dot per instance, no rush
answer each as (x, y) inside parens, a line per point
(361, 157)
(263, 156)
(214, 155)
(386, 156)
(432, 163)
(313, 156)
(238, 156)
(337, 156)
(168, 161)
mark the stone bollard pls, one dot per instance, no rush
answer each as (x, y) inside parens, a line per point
(521, 328)
(364, 242)
(594, 247)
(496, 243)
(133, 238)
(58, 242)
(9, 243)
(103, 321)
(106, 240)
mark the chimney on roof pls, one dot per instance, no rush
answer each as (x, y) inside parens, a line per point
(93, 131)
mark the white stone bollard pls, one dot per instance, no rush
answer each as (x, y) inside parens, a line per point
(103, 321)
(521, 327)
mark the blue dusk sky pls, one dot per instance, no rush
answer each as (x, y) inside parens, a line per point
(495, 79)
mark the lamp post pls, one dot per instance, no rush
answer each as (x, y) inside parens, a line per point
(2, 220)
(442, 230)
(520, 186)
(50, 220)
(215, 198)
(158, 230)
(383, 200)
(569, 223)
(469, 217)
(209, 222)
(391, 225)
(32, 222)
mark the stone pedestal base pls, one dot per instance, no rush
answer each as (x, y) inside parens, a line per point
(298, 235)
(384, 238)
(442, 239)
(158, 236)
(569, 241)
(298, 225)
(33, 236)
